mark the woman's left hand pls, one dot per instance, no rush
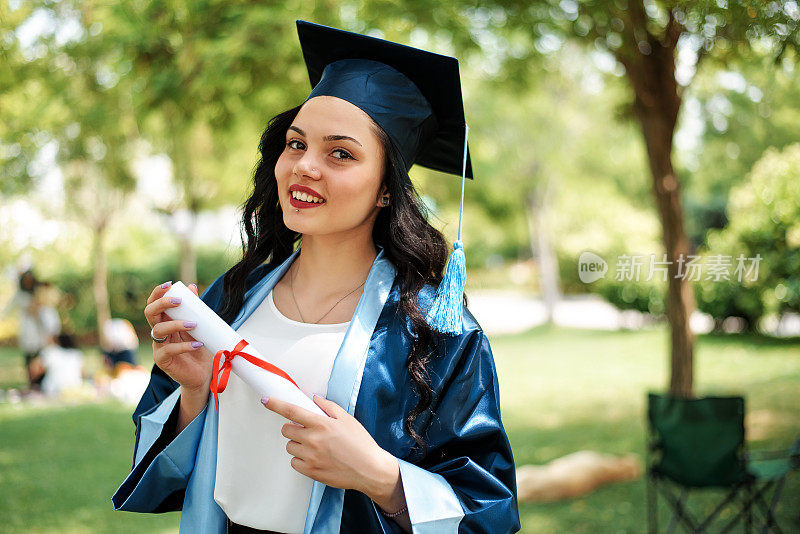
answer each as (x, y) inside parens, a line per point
(336, 450)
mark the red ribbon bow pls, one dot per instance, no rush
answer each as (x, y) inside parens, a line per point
(219, 376)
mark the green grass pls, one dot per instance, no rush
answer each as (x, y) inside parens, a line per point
(567, 390)
(59, 467)
(561, 391)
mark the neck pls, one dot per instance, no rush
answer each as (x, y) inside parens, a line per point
(333, 263)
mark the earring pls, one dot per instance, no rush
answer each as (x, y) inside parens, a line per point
(385, 200)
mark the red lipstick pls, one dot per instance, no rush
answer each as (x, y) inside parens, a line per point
(301, 203)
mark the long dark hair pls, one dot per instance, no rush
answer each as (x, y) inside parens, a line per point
(417, 249)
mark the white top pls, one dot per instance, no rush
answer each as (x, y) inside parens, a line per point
(34, 328)
(255, 483)
(64, 367)
(118, 334)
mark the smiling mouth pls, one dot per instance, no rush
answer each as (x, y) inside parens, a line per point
(302, 196)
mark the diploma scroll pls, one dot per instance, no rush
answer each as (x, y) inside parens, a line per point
(228, 346)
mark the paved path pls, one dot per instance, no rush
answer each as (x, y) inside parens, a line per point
(507, 312)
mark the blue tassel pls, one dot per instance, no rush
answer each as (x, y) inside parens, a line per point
(445, 315)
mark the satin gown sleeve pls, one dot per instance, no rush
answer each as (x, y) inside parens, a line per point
(469, 453)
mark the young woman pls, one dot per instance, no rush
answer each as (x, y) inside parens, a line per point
(337, 276)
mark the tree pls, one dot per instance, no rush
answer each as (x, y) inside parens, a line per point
(199, 70)
(644, 37)
(746, 106)
(530, 165)
(762, 242)
(646, 45)
(26, 109)
(77, 91)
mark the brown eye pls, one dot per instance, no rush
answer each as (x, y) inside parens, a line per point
(289, 144)
(346, 154)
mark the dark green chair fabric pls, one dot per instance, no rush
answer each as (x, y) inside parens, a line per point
(700, 443)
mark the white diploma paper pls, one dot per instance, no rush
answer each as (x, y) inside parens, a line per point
(217, 335)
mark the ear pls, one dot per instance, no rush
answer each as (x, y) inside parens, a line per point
(384, 191)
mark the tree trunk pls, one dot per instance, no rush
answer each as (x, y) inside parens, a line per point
(680, 300)
(656, 105)
(100, 278)
(183, 175)
(543, 252)
(188, 266)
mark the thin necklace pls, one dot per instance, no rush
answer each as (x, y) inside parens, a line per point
(291, 286)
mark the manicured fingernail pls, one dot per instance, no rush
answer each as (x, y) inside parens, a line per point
(166, 284)
(189, 324)
(197, 344)
(175, 300)
(264, 400)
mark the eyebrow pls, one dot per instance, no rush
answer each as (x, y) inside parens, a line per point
(327, 137)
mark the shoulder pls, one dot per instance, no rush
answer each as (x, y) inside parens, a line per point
(471, 325)
(425, 296)
(462, 363)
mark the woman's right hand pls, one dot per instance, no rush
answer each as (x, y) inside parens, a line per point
(183, 358)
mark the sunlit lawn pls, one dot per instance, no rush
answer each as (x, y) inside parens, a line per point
(561, 391)
(568, 390)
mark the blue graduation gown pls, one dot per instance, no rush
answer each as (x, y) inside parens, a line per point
(464, 483)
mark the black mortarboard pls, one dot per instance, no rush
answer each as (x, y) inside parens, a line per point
(414, 95)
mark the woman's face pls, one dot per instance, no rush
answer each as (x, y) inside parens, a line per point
(332, 155)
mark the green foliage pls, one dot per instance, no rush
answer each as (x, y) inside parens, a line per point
(640, 295)
(198, 82)
(129, 287)
(764, 215)
(581, 170)
(27, 107)
(745, 107)
(205, 80)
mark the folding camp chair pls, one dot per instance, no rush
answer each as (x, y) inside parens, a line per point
(700, 443)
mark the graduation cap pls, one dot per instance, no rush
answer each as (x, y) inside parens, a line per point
(415, 97)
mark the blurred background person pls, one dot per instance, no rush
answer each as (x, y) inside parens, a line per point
(38, 322)
(63, 364)
(119, 343)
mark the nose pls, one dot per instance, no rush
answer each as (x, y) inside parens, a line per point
(307, 166)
